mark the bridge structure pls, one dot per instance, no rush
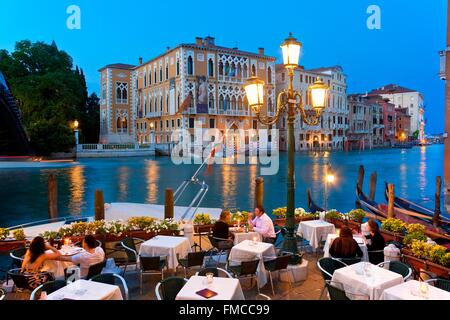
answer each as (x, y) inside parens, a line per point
(13, 138)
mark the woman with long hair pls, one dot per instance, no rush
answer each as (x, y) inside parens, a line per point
(38, 252)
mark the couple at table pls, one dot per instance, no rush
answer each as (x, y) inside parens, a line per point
(261, 224)
(40, 253)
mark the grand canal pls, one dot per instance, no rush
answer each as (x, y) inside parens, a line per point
(23, 191)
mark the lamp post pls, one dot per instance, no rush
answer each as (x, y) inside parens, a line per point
(290, 101)
(329, 178)
(75, 130)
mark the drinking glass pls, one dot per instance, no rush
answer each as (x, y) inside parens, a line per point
(209, 278)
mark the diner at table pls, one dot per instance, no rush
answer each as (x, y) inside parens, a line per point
(199, 287)
(345, 246)
(359, 240)
(367, 279)
(168, 246)
(262, 224)
(221, 231)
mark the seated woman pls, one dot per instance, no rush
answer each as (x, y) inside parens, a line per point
(38, 252)
(221, 230)
(345, 246)
(375, 239)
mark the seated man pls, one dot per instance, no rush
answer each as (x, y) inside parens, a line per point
(262, 224)
(221, 230)
(90, 256)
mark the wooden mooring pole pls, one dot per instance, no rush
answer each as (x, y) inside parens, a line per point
(373, 185)
(168, 205)
(52, 196)
(259, 192)
(359, 183)
(391, 213)
(437, 204)
(99, 205)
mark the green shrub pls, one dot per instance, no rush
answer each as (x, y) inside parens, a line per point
(202, 218)
(19, 234)
(420, 249)
(140, 223)
(436, 253)
(357, 215)
(4, 233)
(333, 214)
(394, 225)
(50, 235)
(280, 213)
(415, 228)
(408, 239)
(445, 260)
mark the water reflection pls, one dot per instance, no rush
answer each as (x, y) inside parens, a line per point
(124, 174)
(229, 183)
(152, 178)
(422, 171)
(77, 189)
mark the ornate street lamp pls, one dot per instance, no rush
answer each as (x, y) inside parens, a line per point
(290, 101)
(75, 129)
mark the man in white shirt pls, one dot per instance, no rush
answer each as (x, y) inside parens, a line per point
(262, 224)
(90, 256)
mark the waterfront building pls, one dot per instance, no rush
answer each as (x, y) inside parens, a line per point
(329, 133)
(403, 97)
(192, 83)
(365, 123)
(387, 124)
(402, 124)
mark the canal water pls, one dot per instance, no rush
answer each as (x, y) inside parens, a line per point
(23, 191)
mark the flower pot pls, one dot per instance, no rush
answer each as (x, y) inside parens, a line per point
(8, 245)
(421, 264)
(391, 236)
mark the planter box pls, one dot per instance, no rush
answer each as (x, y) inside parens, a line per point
(421, 264)
(338, 223)
(203, 228)
(281, 222)
(391, 236)
(6, 246)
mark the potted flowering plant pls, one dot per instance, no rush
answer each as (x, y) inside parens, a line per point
(357, 215)
(4, 233)
(202, 218)
(19, 234)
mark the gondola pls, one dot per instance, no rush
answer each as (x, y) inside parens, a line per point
(409, 217)
(411, 206)
(313, 207)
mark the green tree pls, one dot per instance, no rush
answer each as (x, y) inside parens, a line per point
(51, 94)
(415, 135)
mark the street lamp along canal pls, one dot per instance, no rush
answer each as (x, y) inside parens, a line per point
(75, 129)
(290, 101)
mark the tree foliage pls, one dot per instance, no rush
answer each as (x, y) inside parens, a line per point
(51, 94)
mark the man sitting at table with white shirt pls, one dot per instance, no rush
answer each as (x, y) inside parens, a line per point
(90, 256)
(262, 224)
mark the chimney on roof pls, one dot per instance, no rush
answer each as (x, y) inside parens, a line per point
(140, 60)
(199, 41)
(261, 51)
(209, 41)
(167, 48)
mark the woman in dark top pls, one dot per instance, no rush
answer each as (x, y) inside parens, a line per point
(376, 239)
(345, 246)
(221, 230)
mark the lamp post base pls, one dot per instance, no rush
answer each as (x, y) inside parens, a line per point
(290, 245)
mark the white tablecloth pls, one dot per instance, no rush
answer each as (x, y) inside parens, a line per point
(409, 290)
(360, 240)
(246, 251)
(356, 281)
(166, 246)
(315, 230)
(241, 236)
(227, 289)
(87, 290)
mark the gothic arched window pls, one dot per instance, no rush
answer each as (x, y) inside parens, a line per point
(190, 65)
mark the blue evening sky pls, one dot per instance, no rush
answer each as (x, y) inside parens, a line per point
(404, 51)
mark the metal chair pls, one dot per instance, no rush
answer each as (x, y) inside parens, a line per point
(349, 261)
(261, 296)
(47, 287)
(215, 271)
(327, 266)
(129, 246)
(17, 256)
(151, 265)
(440, 283)
(220, 248)
(376, 256)
(168, 288)
(398, 267)
(95, 269)
(2, 294)
(246, 269)
(193, 259)
(280, 263)
(113, 279)
(26, 281)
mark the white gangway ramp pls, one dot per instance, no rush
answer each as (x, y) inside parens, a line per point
(126, 210)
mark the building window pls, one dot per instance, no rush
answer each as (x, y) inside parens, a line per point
(190, 66)
(103, 92)
(167, 103)
(269, 75)
(178, 67)
(160, 104)
(212, 124)
(227, 103)
(149, 77)
(210, 68)
(122, 124)
(191, 122)
(245, 71)
(211, 101)
(301, 136)
(253, 70)
(145, 79)
(220, 69)
(255, 124)
(121, 92)
(167, 124)
(220, 102)
(178, 123)
(160, 74)
(167, 71)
